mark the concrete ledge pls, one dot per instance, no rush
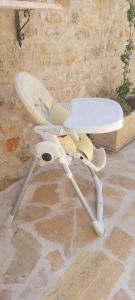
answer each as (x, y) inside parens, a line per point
(27, 5)
(114, 141)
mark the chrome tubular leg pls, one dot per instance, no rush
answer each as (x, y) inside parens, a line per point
(21, 194)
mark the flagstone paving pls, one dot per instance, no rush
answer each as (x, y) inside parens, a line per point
(50, 252)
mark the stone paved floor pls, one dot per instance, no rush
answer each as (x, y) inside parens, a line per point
(51, 252)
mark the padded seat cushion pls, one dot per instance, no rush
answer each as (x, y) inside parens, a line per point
(85, 145)
(58, 114)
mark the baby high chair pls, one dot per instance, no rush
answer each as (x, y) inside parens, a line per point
(63, 131)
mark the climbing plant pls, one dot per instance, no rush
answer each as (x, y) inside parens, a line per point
(126, 87)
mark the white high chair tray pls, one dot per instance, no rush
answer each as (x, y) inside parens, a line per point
(94, 115)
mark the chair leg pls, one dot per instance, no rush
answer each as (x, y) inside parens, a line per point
(21, 194)
(98, 185)
(97, 225)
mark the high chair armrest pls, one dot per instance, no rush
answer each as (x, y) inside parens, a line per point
(49, 130)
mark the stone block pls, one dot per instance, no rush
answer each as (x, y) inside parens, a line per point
(27, 253)
(54, 18)
(31, 213)
(57, 229)
(91, 276)
(85, 186)
(85, 234)
(5, 295)
(120, 243)
(89, 21)
(9, 127)
(49, 175)
(132, 280)
(109, 211)
(113, 193)
(35, 287)
(12, 144)
(123, 181)
(72, 57)
(55, 260)
(122, 295)
(64, 3)
(46, 194)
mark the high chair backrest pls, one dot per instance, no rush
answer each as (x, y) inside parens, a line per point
(37, 100)
(34, 96)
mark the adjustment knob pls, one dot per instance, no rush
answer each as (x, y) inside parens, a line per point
(46, 156)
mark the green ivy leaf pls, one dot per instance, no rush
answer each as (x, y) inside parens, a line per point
(126, 87)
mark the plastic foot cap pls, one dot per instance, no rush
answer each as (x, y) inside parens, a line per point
(9, 221)
(98, 227)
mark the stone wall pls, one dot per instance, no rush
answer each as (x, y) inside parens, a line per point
(75, 52)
